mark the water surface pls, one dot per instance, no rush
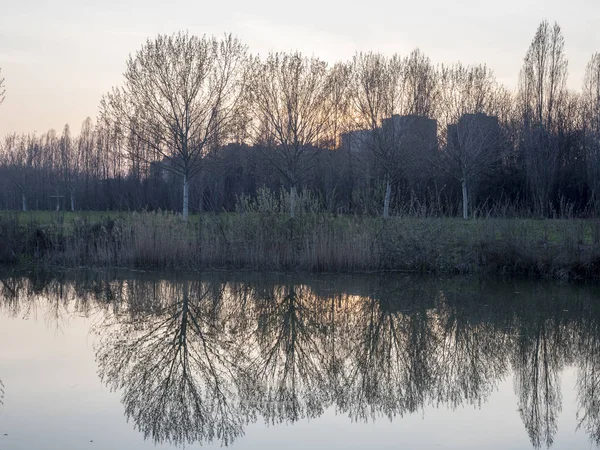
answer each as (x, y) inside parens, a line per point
(134, 360)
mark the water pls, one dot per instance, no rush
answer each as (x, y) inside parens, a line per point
(135, 360)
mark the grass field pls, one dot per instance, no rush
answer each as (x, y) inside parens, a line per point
(314, 242)
(552, 230)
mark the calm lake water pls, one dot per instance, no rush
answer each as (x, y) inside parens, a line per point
(134, 360)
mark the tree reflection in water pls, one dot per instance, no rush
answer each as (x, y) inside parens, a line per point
(588, 380)
(537, 366)
(196, 360)
(175, 362)
(289, 364)
(388, 363)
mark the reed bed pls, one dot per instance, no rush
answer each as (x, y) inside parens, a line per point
(566, 249)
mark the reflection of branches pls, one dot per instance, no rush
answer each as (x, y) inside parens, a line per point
(195, 361)
(18, 298)
(10, 289)
(56, 297)
(389, 371)
(290, 364)
(537, 382)
(472, 356)
(588, 381)
(176, 366)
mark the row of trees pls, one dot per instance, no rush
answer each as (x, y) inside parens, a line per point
(199, 105)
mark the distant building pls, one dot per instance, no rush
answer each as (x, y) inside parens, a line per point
(417, 132)
(414, 133)
(474, 132)
(356, 141)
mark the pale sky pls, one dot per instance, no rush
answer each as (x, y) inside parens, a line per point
(59, 57)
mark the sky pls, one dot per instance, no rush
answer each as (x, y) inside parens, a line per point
(59, 57)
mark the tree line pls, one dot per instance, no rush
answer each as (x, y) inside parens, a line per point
(199, 123)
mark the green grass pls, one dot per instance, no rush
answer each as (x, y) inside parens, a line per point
(314, 242)
(552, 230)
(50, 217)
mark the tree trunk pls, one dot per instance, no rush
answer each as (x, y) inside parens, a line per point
(293, 201)
(465, 200)
(24, 201)
(72, 202)
(185, 310)
(386, 201)
(186, 197)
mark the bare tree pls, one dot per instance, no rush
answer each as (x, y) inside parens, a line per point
(392, 100)
(591, 125)
(293, 113)
(110, 157)
(472, 137)
(51, 167)
(377, 95)
(85, 154)
(69, 165)
(180, 96)
(421, 80)
(15, 161)
(542, 89)
(340, 122)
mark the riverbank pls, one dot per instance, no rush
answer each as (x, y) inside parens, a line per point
(562, 249)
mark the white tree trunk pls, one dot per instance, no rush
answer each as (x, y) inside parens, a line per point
(293, 201)
(186, 197)
(465, 200)
(386, 201)
(72, 202)
(24, 201)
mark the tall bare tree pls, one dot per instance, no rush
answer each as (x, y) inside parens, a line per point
(542, 90)
(85, 153)
(473, 136)
(69, 165)
(14, 159)
(180, 97)
(591, 125)
(377, 95)
(293, 112)
(421, 81)
(340, 122)
(383, 90)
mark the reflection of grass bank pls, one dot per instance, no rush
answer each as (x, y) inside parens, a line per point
(553, 248)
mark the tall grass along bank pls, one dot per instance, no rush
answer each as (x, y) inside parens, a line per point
(566, 249)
